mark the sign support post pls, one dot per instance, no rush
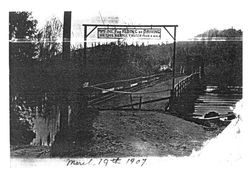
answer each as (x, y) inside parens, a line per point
(66, 58)
(85, 48)
(173, 68)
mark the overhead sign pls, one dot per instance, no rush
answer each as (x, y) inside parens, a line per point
(140, 33)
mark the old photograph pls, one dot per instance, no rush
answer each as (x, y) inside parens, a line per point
(104, 85)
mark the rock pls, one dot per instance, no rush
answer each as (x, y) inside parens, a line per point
(211, 114)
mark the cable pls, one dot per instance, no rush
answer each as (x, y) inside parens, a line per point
(124, 80)
(124, 92)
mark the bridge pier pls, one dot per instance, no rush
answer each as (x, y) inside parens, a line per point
(185, 93)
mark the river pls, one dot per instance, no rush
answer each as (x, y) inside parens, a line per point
(222, 103)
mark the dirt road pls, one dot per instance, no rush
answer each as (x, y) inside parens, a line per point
(145, 133)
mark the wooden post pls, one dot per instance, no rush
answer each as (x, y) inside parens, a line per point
(66, 36)
(140, 102)
(131, 101)
(85, 49)
(173, 65)
(171, 101)
(66, 59)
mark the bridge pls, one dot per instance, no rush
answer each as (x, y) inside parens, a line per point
(185, 93)
(142, 92)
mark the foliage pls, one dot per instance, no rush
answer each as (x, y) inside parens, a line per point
(223, 57)
(48, 37)
(111, 61)
(22, 32)
(22, 49)
(227, 33)
(20, 123)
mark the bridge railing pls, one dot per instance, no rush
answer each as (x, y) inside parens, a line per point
(181, 87)
(102, 89)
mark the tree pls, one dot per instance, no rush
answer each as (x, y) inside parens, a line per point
(22, 33)
(223, 57)
(22, 51)
(48, 38)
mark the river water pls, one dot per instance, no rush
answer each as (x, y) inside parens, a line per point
(47, 127)
(210, 101)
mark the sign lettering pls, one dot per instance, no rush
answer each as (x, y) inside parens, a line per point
(140, 33)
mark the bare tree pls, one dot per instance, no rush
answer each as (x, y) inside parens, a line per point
(49, 39)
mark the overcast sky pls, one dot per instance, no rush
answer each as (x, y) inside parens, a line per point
(192, 16)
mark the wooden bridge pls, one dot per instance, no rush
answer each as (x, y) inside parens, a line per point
(133, 93)
(185, 92)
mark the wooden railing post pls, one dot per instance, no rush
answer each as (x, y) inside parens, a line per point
(171, 99)
(131, 101)
(140, 102)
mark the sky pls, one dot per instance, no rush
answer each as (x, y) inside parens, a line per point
(193, 17)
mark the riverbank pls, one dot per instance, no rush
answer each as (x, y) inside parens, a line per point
(139, 133)
(130, 133)
(29, 151)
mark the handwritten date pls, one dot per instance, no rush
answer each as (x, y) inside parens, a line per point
(106, 161)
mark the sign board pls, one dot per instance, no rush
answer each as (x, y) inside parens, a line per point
(140, 33)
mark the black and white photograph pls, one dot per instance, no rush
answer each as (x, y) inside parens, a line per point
(124, 84)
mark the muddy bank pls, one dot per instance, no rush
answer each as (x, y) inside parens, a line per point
(138, 133)
(148, 134)
(29, 151)
(126, 133)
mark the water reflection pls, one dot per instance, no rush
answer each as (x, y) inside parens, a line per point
(46, 127)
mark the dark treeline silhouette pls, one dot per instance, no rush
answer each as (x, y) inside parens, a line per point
(38, 75)
(121, 61)
(21, 59)
(222, 57)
